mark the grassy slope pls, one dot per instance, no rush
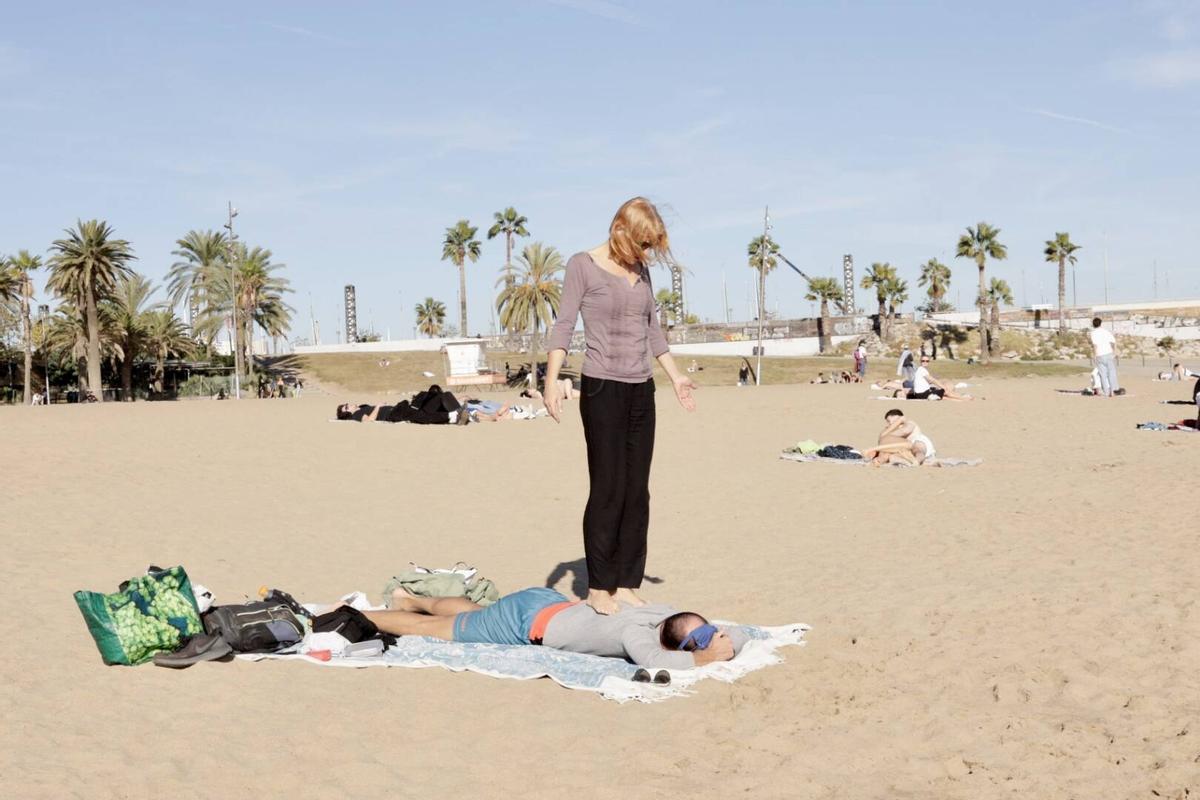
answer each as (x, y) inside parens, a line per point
(363, 372)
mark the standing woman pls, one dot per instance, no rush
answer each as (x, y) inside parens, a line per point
(610, 286)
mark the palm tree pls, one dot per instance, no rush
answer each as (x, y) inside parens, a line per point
(128, 310)
(1062, 250)
(259, 301)
(826, 290)
(10, 294)
(980, 243)
(669, 302)
(260, 298)
(459, 245)
(762, 260)
(202, 254)
(431, 315)
(936, 276)
(66, 335)
(16, 270)
(511, 224)
(166, 336)
(878, 277)
(531, 301)
(896, 291)
(998, 293)
(84, 269)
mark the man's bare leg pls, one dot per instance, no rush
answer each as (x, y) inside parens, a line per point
(627, 595)
(602, 602)
(411, 623)
(434, 606)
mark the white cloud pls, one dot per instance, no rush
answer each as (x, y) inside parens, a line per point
(1041, 112)
(601, 8)
(1170, 70)
(296, 30)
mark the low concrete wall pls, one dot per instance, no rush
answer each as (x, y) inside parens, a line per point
(398, 346)
(771, 347)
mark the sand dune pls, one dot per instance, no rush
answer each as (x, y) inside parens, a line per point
(1021, 628)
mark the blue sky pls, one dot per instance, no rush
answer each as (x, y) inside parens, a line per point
(351, 135)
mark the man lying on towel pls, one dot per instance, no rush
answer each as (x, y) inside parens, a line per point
(654, 636)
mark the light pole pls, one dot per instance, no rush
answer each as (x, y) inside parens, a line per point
(43, 318)
(763, 252)
(233, 333)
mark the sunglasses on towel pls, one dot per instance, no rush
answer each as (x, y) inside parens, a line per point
(699, 639)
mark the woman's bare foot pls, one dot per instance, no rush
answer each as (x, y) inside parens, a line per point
(628, 596)
(602, 602)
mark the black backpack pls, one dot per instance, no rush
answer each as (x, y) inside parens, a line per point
(841, 451)
(261, 627)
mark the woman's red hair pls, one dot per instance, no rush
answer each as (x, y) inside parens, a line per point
(637, 235)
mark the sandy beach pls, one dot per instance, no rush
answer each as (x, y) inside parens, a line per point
(1022, 628)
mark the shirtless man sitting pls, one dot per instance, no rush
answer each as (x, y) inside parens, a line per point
(653, 636)
(900, 442)
(566, 388)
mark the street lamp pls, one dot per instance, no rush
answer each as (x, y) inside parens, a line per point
(763, 253)
(43, 317)
(233, 333)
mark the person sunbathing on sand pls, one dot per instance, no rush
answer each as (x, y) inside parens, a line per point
(900, 442)
(401, 412)
(566, 388)
(488, 410)
(925, 386)
(655, 636)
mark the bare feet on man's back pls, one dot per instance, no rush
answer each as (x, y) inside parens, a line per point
(602, 602)
(628, 596)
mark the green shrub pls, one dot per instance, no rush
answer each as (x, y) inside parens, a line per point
(205, 385)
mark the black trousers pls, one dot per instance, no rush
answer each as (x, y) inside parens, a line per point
(618, 426)
(406, 412)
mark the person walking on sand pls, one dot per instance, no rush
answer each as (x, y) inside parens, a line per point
(860, 359)
(1103, 350)
(610, 286)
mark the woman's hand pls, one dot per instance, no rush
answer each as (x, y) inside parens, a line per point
(683, 390)
(552, 397)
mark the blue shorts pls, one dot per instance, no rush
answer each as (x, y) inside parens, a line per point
(508, 620)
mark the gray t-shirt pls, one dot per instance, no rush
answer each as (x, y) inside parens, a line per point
(632, 633)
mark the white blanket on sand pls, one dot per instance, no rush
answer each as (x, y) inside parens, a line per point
(610, 678)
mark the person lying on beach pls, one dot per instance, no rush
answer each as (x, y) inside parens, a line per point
(900, 442)
(566, 388)
(654, 636)
(495, 411)
(820, 378)
(488, 410)
(403, 411)
(926, 386)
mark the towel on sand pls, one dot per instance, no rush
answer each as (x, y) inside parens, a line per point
(933, 462)
(1089, 393)
(1184, 425)
(611, 678)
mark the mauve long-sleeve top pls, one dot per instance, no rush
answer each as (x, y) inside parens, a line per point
(619, 325)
